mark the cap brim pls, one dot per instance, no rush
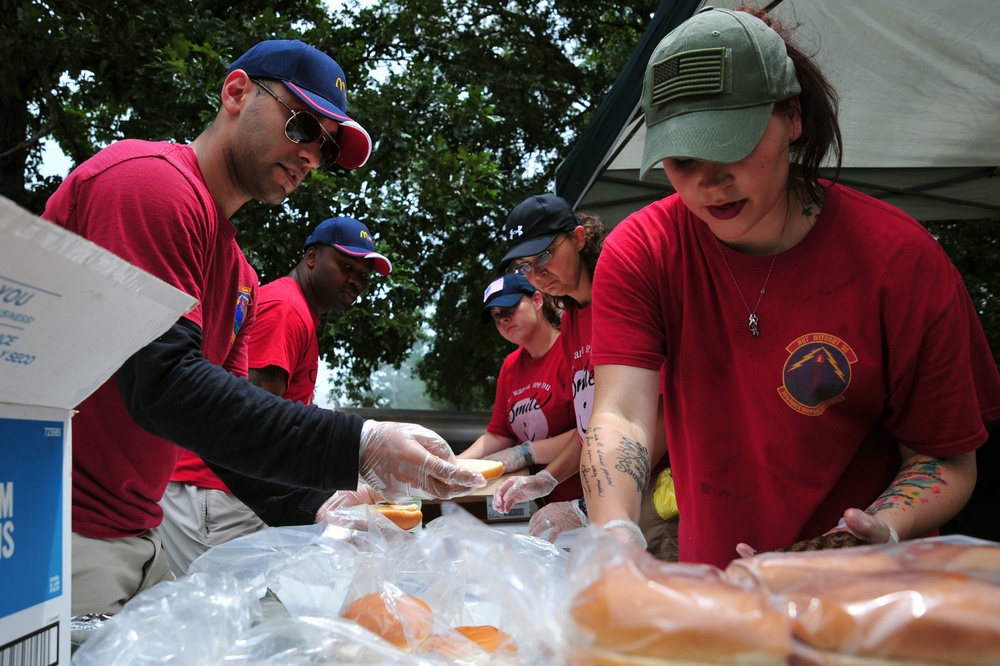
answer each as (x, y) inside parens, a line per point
(504, 301)
(530, 247)
(382, 265)
(726, 135)
(355, 143)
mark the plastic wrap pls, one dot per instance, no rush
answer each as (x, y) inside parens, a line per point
(277, 596)
(193, 621)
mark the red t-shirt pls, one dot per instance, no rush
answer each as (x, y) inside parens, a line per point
(148, 204)
(575, 336)
(868, 338)
(533, 402)
(283, 334)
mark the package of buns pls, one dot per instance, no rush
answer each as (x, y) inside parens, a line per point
(639, 610)
(907, 616)
(924, 601)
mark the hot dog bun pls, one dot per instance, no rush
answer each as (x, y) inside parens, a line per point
(778, 571)
(477, 640)
(674, 614)
(488, 637)
(904, 616)
(405, 516)
(401, 619)
(490, 469)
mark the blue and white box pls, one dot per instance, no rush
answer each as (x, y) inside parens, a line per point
(70, 314)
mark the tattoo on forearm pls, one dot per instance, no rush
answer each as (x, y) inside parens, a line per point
(592, 469)
(634, 461)
(916, 483)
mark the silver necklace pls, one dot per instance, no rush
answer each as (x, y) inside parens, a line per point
(754, 319)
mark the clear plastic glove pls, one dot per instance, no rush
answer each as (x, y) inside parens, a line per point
(403, 460)
(514, 458)
(365, 494)
(866, 527)
(626, 532)
(522, 488)
(553, 519)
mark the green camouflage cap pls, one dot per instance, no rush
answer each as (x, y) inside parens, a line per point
(710, 87)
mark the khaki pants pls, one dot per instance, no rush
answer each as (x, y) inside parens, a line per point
(195, 519)
(109, 572)
(661, 535)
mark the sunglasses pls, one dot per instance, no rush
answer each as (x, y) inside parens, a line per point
(303, 127)
(540, 261)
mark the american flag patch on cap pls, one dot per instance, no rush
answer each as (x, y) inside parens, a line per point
(495, 286)
(698, 72)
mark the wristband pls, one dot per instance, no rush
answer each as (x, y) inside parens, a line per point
(529, 457)
(582, 505)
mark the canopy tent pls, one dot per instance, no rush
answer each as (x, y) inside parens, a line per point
(919, 87)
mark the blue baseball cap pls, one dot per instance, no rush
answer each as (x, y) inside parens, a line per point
(317, 80)
(505, 292)
(351, 237)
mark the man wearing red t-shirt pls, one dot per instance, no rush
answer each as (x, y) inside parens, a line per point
(166, 208)
(199, 511)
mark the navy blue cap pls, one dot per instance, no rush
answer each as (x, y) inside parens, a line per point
(505, 292)
(351, 237)
(317, 80)
(534, 224)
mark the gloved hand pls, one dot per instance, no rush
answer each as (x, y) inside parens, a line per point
(365, 494)
(555, 518)
(403, 460)
(626, 532)
(866, 527)
(521, 488)
(514, 458)
(855, 521)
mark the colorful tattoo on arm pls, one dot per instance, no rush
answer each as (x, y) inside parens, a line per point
(916, 483)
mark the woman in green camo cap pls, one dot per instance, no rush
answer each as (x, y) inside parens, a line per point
(825, 367)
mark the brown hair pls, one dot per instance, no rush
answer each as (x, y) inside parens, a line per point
(819, 102)
(552, 312)
(595, 233)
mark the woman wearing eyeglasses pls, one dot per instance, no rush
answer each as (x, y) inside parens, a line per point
(556, 249)
(533, 413)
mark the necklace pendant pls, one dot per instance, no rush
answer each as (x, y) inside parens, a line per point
(753, 324)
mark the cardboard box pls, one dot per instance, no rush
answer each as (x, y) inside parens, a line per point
(70, 314)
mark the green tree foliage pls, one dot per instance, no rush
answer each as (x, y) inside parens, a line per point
(471, 104)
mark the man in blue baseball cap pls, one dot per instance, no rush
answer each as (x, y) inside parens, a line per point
(199, 510)
(318, 82)
(166, 207)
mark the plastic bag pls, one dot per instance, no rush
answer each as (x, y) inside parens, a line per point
(663, 495)
(193, 620)
(277, 596)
